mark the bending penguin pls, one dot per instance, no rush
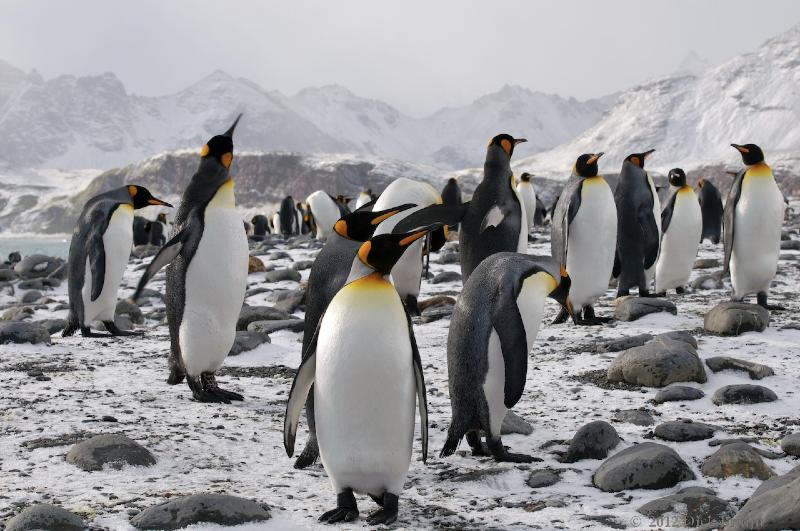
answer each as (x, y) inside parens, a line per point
(98, 254)
(584, 236)
(527, 196)
(366, 372)
(753, 218)
(638, 228)
(324, 211)
(711, 208)
(681, 226)
(493, 326)
(206, 275)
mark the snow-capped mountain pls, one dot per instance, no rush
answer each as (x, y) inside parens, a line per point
(692, 120)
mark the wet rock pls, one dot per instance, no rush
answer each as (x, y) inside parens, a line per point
(791, 444)
(446, 276)
(44, 516)
(31, 296)
(114, 450)
(643, 466)
(288, 300)
(255, 265)
(677, 393)
(775, 509)
(736, 459)
(707, 282)
(756, 371)
(735, 318)
(246, 340)
(592, 441)
(145, 251)
(623, 343)
(7, 275)
(279, 275)
(543, 478)
(743, 394)
(302, 265)
(22, 332)
(250, 314)
(201, 508)
(52, 325)
(633, 308)
(436, 300)
(684, 430)
(696, 506)
(706, 263)
(130, 310)
(17, 313)
(639, 417)
(268, 327)
(37, 265)
(656, 364)
(513, 423)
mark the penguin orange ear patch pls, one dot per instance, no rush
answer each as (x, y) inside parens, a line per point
(226, 159)
(363, 252)
(132, 190)
(506, 145)
(563, 271)
(204, 151)
(635, 160)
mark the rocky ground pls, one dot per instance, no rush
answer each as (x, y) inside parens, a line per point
(634, 429)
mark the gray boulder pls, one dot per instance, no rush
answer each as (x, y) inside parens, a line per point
(201, 508)
(684, 430)
(736, 459)
(791, 444)
(17, 313)
(543, 478)
(288, 300)
(706, 263)
(743, 394)
(52, 325)
(446, 276)
(44, 516)
(31, 296)
(622, 343)
(592, 441)
(756, 371)
(246, 340)
(696, 506)
(23, 332)
(777, 481)
(678, 393)
(639, 417)
(250, 314)
(707, 282)
(434, 313)
(7, 275)
(735, 318)
(145, 251)
(302, 265)
(643, 466)
(513, 423)
(633, 308)
(279, 275)
(37, 265)
(130, 310)
(658, 363)
(114, 450)
(448, 257)
(775, 509)
(268, 327)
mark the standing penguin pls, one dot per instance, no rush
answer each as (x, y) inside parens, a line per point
(583, 237)
(649, 273)
(451, 196)
(753, 219)
(527, 196)
(98, 255)
(638, 230)
(288, 217)
(140, 234)
(364, 197)
(324, 211)
(207, 274)
(366, 372)
(276, 223)
(492, 330)
(260, 225)
(711, 207)
(157, 229)
(681, 224)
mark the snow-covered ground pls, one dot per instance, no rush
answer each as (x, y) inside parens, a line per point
(238, 449)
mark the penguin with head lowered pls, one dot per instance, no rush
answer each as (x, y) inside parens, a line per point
(527, 196)
(492, 330)
(323, 211)
(98, 255)
(711, 208)
(584, 237)
(328, 274)
(206, 275)
(681, 226)
(638, 228)
(753, 218)
(366, 372)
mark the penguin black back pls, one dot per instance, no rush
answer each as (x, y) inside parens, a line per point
(451, 196)
(711, 207)
(287, 216)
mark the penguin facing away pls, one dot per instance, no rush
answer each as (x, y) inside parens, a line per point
(753, 218)
(711, 208)
(206, 275)
(156, 230)
(584, 237)
(494, 324)
(140, 234)
(527, 195)
(638, 232)
(681, 225)
(451, 196)
(98, 254)
(328, 274)
(366, 373)
(260, 225)
(287, 217)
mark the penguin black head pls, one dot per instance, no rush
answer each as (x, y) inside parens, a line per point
(677, 177)
(383, 251)
(361, 224)
(141, 197)
(220, 147)
(561, 293)
(637, 159)
(586, 164)
(506, 143)
(525, 177)
(751, 153)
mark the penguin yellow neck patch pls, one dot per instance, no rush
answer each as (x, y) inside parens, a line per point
(204, 151)
(758, 170)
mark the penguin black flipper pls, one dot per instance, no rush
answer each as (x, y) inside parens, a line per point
(301, 385)
(446, 214)
(419, 379)
(650, 236)
(666, 213)
(98, 223)
(728, 218)
(563, 216)
(507, 322)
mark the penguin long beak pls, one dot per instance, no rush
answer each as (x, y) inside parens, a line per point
(519, 140)
(594, 158)
(229, 132)
(741, 149)
(155, 201)
(648, 152)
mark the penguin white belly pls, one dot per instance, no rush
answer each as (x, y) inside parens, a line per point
(216, 280)
(591, 243)
(757, 235)
(679, 243)
(528, 198)
(325, 213)
(364, 389)
(276, 224)
(407, 272)
(522, 242)
(362, 200)
(651, 271)
(117, 243)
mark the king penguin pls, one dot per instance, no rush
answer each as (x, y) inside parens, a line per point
(98, 254)
(681, 226)
(527, 196)
(711, 207)
(328, 274)
(363, 198)
(366, 373)
(492, 330)
(451, 196)
(157, 230)
(584, 236)
(325, 211)
(260, 225)
(638, 227)
(206, 275)
(753, 218)
(288, 218)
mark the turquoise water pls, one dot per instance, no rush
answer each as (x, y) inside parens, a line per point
(48, 245)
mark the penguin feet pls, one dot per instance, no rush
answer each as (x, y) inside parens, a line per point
(309, 455)
(202, 395)
(176, 375)
(87, 332)
(112, 327)
(209, 382)
(680, 290)
(388, 512)
(478, 448)
(761, 300)
(346, 509)
(502, 455)
(561, 317)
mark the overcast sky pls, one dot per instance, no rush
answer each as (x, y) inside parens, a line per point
(416, 55)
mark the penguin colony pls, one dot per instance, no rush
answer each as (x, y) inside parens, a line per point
(361, 377)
